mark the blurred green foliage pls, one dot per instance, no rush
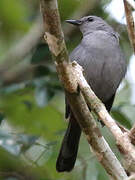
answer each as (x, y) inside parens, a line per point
(32, 121)
(14, 18)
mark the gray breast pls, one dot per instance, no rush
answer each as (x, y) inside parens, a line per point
(103, 62)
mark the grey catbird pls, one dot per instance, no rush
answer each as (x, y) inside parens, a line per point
(104, 67)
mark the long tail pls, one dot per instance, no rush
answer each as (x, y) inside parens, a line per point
(69, 148)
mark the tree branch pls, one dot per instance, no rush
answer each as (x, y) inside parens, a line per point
(69, 78)
(122, 139)
(94, 137)
(130, 23)
(131, 3)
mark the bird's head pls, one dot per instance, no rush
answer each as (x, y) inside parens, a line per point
(88, 24)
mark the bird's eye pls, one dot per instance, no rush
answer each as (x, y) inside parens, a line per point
(90, 19)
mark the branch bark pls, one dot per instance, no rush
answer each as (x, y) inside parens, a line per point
(94, 137)
(132, 3)
(130, 23)
(129, 4)
(122, 139)
(69, 78)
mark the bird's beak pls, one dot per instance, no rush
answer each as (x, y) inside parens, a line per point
(74, 22)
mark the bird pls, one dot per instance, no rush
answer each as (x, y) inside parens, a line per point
(104, 66)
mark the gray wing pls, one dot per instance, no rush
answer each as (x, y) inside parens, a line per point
(103, 63)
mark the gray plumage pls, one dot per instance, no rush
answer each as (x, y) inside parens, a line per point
(104, 67)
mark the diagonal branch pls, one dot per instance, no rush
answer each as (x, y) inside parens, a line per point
(94, 137)
(122, 139)
(67, 74)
